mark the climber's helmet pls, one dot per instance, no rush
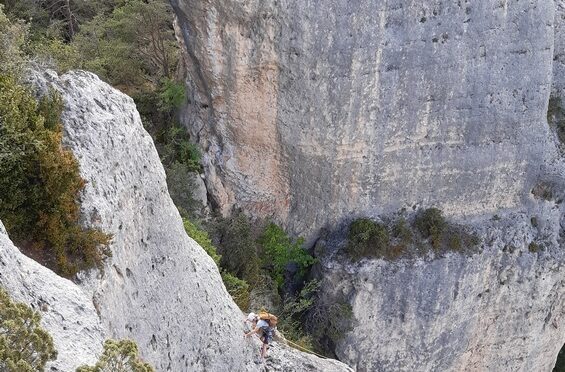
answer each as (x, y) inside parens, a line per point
(252, 317)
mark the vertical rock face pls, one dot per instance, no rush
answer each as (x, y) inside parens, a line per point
(159, 287)
(312, 112)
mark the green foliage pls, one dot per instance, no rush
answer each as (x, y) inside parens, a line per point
(180, 184)
(172, 96)
(24, 345)
(174, 146)
(55, 53)
(367, 239)
(40, 184)
(132, 46)
(429, 230)
(328, 322)
(402, 231)
(201, 237)
(118, 356)
(13, 39)
(280, 251)
(239, 249)
(431, 224)
(238, 290)
(294, 315)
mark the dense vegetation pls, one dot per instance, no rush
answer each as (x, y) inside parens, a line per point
(119, 356)
(261, 264)
(396, 237)
(24, 345)
(40, 183)
(131, 45)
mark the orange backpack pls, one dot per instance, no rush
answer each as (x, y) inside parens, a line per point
(270, 318)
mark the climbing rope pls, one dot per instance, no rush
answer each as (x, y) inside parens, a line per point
(296, 346)
(305, 349)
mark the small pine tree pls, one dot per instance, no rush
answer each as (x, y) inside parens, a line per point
(118, 356)
(24, 345)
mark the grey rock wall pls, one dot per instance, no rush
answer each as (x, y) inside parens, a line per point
(499, 310)
(313, 112)
(317, 112)
(159, 287)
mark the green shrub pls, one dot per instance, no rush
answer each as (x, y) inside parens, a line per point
(454, 242)
(294, 315)
(280, 250)
(24, 345)
(431, 224)
(40, 184)
(239, 250)
(238, 290)
(119, 356)
(14, 36)
(180, 184)
(402, 231)
(367, 238)
(56, 53)
(201, 237)
(172, 95)
(173, 146)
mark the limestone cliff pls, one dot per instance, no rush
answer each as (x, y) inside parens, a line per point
(317, 112)
(500, 310)
(159, 287)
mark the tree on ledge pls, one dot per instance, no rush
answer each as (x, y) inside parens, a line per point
(24, 345)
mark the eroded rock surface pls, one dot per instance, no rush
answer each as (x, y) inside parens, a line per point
(499, 310)
(66, 311)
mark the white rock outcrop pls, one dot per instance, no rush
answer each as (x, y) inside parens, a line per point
(159, 287)
(66, 311)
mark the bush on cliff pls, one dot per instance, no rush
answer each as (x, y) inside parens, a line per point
(236, 287)
(119, 356)
(24, 345)
(431, 224)
(240, 252)
(367, 238)
(396, 237)
(238, 290)
(201, 237)
(280, 251)
(40, 184)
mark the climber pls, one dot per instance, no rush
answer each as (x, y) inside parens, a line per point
(264, 325)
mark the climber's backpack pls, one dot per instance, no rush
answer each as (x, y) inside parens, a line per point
(270, 318)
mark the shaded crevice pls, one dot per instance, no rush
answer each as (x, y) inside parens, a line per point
(184, 28)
